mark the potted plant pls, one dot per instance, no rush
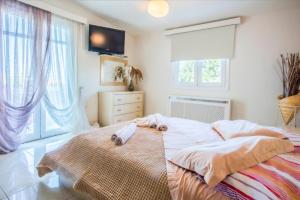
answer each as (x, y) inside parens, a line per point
(134, 74)
(290, 99)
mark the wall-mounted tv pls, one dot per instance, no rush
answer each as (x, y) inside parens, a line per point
(106, 40)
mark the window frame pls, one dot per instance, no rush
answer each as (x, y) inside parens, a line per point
(198, 85)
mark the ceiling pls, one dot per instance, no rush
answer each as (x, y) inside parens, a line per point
(132, 14)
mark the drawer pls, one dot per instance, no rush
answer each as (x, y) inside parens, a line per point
(127, 108)
(127, 117)
(119, 99)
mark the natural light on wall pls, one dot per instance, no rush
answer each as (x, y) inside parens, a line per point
(158, 8)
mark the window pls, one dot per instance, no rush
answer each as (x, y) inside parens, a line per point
(210, 73)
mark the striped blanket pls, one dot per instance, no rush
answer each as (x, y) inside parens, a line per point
(277, 178)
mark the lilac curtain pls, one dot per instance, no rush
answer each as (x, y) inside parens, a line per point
(24, 69)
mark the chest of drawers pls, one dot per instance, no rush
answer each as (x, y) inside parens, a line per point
(116, 107)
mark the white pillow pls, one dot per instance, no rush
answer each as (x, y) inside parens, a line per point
(238, 128)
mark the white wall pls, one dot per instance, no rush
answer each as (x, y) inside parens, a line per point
(254, 81)
(89, 62)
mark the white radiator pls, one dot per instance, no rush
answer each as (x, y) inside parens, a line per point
(197, 108)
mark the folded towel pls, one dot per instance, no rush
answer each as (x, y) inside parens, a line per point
(124, 134)
(152, 121)
(141, 122)
(145, 121)
(162, 127)
(149, 121)
(113, 137)
(161, 123)
(156, 121)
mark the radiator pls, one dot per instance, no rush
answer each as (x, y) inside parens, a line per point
(197, 108)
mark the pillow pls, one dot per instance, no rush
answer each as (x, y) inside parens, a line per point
(237, 128)
(214, 161)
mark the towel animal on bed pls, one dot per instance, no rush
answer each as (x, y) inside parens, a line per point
(156, 121)
(152, 121)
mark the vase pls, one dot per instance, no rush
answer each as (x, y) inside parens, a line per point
(130, 86)
(288, 106)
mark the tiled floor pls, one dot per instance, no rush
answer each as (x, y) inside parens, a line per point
(18, 175)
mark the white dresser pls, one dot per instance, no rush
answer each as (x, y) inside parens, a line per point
(116, 107)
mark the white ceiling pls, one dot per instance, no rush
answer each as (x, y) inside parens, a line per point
(133, 15)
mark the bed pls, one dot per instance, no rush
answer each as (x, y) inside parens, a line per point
(139, 170)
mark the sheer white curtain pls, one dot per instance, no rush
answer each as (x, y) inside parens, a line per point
(61, 99)
(38, 64)
(24, 68)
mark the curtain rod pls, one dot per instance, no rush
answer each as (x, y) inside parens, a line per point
(55, 10)
(209, 25)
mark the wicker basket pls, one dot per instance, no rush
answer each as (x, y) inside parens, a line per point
(287, 107)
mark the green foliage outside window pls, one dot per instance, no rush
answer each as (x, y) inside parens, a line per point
(186, 73)
(211, 71)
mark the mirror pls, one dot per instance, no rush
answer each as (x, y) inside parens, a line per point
(112, 71)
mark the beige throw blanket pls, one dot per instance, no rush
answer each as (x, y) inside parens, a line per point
(136, 170)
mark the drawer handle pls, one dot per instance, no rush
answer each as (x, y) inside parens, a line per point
(119, 110)
(118, 120)
(119, 99)
(138, 98)
(138, 107)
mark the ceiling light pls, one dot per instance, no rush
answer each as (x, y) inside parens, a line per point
(158, 8)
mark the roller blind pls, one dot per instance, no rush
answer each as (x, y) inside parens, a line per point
(211, 43)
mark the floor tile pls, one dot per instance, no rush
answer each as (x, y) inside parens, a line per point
(42, 191)
(2, 195)
(19, 175)
(17, 171)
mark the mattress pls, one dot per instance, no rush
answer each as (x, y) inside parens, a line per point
(90, 163)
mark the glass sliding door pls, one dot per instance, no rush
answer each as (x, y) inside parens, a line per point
(41, 125)
(57, 112)
(59, 100)
(48, 125)
(56, 109)
(32, 131)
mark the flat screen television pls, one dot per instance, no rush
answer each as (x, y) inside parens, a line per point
(106, 40)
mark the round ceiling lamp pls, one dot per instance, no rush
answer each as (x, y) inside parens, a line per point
(158, 8)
